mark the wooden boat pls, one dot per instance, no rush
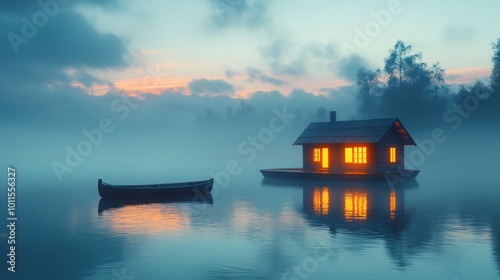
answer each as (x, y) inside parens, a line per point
(198, 188)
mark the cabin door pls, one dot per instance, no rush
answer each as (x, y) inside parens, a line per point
(325, 158)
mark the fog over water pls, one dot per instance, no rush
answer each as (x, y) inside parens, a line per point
(140, 93)
(444, 224)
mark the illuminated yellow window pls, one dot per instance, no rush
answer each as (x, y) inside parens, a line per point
(355, 155)
(348, 155)
(317, 155)
(392, 154)
(324, 158)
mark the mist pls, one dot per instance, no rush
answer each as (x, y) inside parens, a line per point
(61, 141)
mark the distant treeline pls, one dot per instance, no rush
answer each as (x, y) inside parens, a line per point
(406, 87)
(413, 90)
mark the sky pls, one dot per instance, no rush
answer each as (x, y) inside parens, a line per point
(233, 47)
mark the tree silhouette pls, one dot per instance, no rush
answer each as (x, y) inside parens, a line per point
(412, 90)
(369, 90)
(437, 83)
(495, 74)
(493, 104)
(404, 67)
(489, 96)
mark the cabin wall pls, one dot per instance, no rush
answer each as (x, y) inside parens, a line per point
(307, 158)
(390, 139)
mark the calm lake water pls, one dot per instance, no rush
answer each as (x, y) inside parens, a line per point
(440, 229)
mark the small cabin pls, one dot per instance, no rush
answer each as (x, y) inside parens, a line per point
(354, 147)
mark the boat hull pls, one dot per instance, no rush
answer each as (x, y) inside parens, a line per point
(195, 189)
(304, 174)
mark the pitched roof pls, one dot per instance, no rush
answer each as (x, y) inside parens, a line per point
(360, 131)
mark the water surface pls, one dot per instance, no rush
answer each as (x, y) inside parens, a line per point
(437, 228)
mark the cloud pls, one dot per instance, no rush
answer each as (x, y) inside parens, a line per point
(348, 67)
(256, 74)
(460, 34)
(29, 8)
(58, 52)
(234, 13)
(284, 58)
(287, 57)
(467, 75)
(230, 73)
(210, 87)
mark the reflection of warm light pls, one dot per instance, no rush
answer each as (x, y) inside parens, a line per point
(392, 204)
(247, 218)
(321, 201)
(355, 205)
(324, 158)
(289, 217)
(146, 219)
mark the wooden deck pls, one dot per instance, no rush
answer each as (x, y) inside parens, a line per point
(308, 174)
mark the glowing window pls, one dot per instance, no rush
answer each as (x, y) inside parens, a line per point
(325, 158)
(392, 154)
(355, 155)
(317, 155)
(348, 155)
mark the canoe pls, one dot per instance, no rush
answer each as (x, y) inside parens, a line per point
(197, 189)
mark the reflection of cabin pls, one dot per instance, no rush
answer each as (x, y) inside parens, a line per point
(375, 145)
(368, 210)
(361, 204)
(360, 150)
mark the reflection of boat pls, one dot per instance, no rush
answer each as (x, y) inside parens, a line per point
(199, 188)
(106, 204)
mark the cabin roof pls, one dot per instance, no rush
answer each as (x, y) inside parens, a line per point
(358, 131)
